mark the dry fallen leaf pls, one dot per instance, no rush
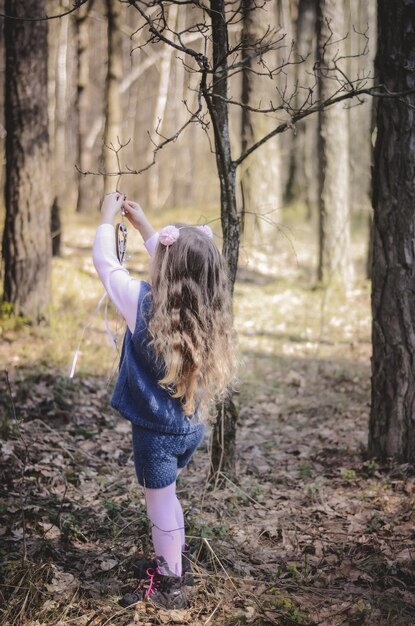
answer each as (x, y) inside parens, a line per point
(62, 585)
(50, 531)
(108, 564)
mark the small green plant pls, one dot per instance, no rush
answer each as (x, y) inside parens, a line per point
(85, 433)
(71, 530)
(362, 609)
(375, 523)
(113, 508)
(293, 570)
(72, 476)
(6, 310)
(305, 469)
(5, 427)
(9, 321)
(369, 468)
(287, 607)
(315, 487)
(349, 474)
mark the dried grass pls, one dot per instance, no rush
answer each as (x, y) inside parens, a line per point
(309, 532)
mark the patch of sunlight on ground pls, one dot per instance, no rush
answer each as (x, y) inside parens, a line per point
(278, 309)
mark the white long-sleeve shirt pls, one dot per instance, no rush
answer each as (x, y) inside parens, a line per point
(122, 288)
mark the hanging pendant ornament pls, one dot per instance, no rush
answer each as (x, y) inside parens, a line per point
(121, 233)
(121, 241)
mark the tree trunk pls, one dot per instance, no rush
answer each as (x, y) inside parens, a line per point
(261, 184)
(56, 227)
(369, 255)
(302, 185)
(26, 238)
(113, 111)
(286, 82)
(223, 438)
(63, 129)
(362, 18)
(219, 109)
(392, 419)
(2, 129)
(335, 264)
(160, 110)
(86, 193)
(58, 141)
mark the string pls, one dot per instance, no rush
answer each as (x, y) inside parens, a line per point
(85, 328)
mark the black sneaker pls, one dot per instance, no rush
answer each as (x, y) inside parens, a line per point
(160, 586)
(141, 566)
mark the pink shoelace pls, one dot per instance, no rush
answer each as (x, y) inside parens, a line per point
(152, 582)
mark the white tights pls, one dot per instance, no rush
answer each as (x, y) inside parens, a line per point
(166, 516)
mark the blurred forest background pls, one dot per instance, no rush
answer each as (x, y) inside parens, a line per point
(303, 522)
(145, 93)
(153, 91)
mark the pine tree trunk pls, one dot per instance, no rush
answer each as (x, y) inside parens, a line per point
(335, 264)
(27, 237)
(113, 111)
(223, 438)
(392, 419)
(261, 183)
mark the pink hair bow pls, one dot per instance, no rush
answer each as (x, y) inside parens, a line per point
(206, 230)
(168, 235)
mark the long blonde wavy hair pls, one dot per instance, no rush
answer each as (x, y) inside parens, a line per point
(191, 322)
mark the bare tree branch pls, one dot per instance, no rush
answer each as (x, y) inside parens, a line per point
(194, 117)
(157, 35)
(76, 5)
(371, 91)
(155, 19)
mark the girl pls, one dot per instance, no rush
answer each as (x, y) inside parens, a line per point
(176, 363)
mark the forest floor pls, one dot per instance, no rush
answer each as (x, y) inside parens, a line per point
(311, 532)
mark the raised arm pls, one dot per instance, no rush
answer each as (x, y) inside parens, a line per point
(120, 286)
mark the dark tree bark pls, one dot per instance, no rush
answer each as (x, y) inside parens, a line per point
(2, 62)
(335, 263)
(220, 119)
(223, 438)
(26, 238)
(369, 256)
(56, 227)
(392, 419)
(113, 112)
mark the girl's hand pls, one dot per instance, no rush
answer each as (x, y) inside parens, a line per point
(111, 205)
(134, 213)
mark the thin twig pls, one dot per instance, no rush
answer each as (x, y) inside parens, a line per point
(221, 565)
(213, 612)
(242, 491)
